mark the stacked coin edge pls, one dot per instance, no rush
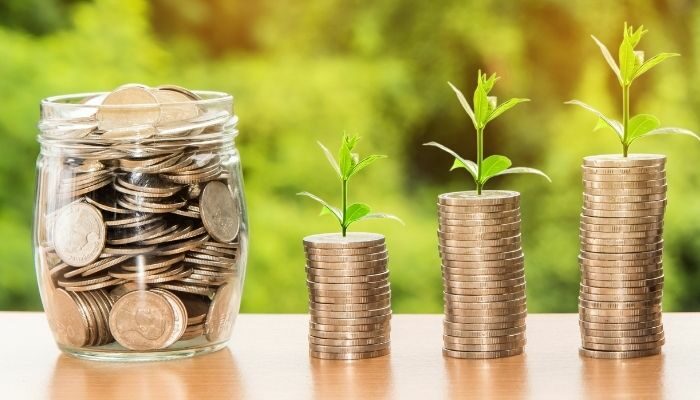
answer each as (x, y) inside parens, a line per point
(621, 240)
(483, 274)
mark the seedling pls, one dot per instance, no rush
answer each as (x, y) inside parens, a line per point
(346, 167)
(486, 109)
(631, 66)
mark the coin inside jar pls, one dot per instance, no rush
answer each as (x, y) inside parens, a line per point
(219, 210)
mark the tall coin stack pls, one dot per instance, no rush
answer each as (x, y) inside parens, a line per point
(483, 274)
(349, 296)
(622, 277)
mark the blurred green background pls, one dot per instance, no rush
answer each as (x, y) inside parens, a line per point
(303, 71)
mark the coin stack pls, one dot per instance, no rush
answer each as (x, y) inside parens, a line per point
(139, 221)
(624, 200)
(483, 274)
(349, 296)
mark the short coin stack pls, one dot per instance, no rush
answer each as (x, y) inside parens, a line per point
(622, 277)
(349, 296)
(483, 274)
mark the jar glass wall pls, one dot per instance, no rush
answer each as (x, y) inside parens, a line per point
(140, 228)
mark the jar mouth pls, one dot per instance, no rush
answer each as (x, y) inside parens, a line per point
(209, 98)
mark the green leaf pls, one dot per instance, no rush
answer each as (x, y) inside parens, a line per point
(629, 63)
(469, 165)
(362, 164)
(333, 210)
(609, 58)
(641, 124)
(616, 126)
(345, 157)
(465, 105)
(383, 215)
(668, 131)
(652, 62)
(355, 212)
(466, 164)
(331, 159)
(493, 165)
(482, 106)
(524, 170)
(505, 107)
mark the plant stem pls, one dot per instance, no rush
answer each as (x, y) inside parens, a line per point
(479, 158)
(625, 118)
(345, 207)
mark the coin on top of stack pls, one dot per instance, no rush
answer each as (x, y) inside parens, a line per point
(621, 238)
(483, 274)
(349, 295)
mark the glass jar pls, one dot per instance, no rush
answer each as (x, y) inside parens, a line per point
(140, 224)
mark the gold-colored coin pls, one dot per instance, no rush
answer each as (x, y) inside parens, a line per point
(627, 192)
(624, 199)
(454, 232)
(621, 242)
(496, 319)
(369, 278)
(350, 335)
(653, 262)
(610, 228)
(479, 243)
(349, 356)
(348, 299)
(622, 334)
(483, 291)
(627, 326)
(321, 273)
(481, 355)
(483, 278)
(589, 276)
(347, 265)
(601, 319)
(451, 345)
(491, 312)
(350, 307)
(346, 252)
(348, 349)
(623, 347)
(614, 256)
(337, 241)
(512, 263)
(381, 312)
(650, 212)
(444, 223)
(448, 283)
(628, 312)
(349, 328)
(480, 334)
(621, 291)
(444, 237)
(468, 272)
(352, 343)
(493, 208)
(630, 177)
(624, 184)
(507, 305)
(619, 354)
(622, 340)
(623, 284)
(622, 171)
(480, 216)
(457, 326)
(344, 259)
(624, 206)
(471, 198)
(622, 298)
(352, 321)
(511, 296)
(629, 161)
(481, 257)
(479, 250)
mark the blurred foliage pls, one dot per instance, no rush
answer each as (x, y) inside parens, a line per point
(307, 71)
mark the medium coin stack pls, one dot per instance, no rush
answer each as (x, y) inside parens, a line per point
(624, 200)
(349, 296)
(483, 274)
(139, 222)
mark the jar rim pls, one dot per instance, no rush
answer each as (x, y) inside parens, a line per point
(209, 98)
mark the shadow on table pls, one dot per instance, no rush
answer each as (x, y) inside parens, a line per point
(356, 379)
(212, 375)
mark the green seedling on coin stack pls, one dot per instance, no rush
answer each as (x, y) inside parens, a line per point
(631, 66)
(346, 167)
(485, 110)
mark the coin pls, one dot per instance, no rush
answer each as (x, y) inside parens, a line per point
(367, 278)
(350, 335)
(623, 347)
(603, 326)
(455, 232)
(128, 107)
(350, 299)
(220, 213)
(481, 354)
(480, 250)
(617, 199)
(346, 252)
(349, 306)
(68, 321)
(349, 356)
(622, 334)
(471, 198)
(617, 185)
(451, 345)
(479, 333)
(444, 223)
(347, 265)
(143, 320)
(343, 259)
(491, 312)
(494, 208)
(491, 305)
(352, 240)
(377, 340)
(481, 216)
(621, 171)
(619, 354)
(220, 320)
(628, 177)
(483, 291)
(618, 161)
(348, 349)
(79, 234)
(320, 274)
(496, 319)
(480, 243)
(454, 298)
(623, 340)
(481, 257)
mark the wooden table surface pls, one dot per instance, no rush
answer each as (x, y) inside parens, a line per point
(268, 359)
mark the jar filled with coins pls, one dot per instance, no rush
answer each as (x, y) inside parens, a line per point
(140, 228)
